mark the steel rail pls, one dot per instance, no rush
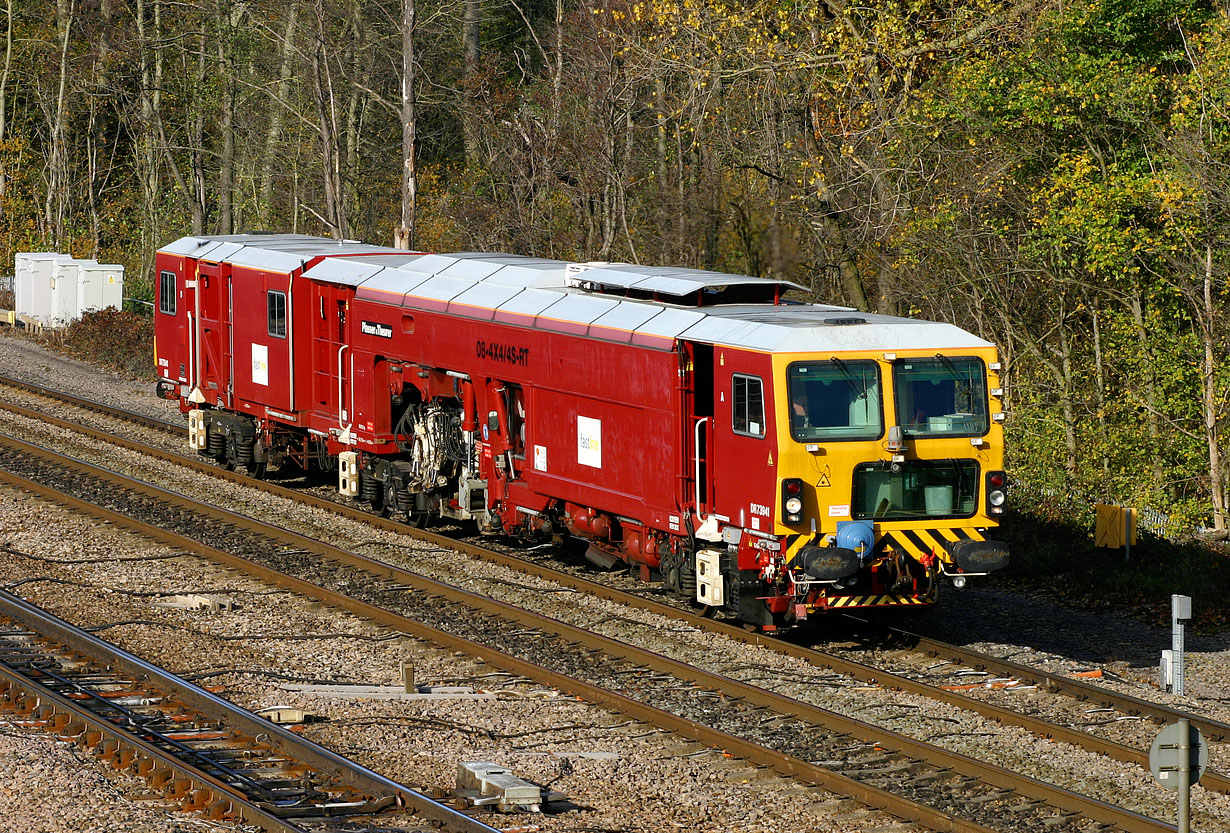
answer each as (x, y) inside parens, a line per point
(56, 713)
(235, 717)
(1215, 730)
(1077, 689)
(1059, 797)
(294, 746)
(91, 405)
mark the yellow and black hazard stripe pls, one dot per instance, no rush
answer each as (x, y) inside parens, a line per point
(882, 600)
(794, 544)
(920, 542)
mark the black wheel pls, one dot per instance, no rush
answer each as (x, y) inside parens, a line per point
(678, 570)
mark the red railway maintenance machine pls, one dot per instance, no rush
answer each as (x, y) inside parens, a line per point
(771, 458)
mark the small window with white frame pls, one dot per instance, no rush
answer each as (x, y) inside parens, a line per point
(747, 403)
(167, 291)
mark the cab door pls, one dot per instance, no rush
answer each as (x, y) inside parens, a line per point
(172, 332)
(330, 354)
(214, 363)
(744, 464)
(263, 336)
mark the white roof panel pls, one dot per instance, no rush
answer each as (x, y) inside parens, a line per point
(529, 301)
(471, 269)
(670, 322)
(272, 260)
(346, 271)
(216, 251)
(184, 246)
(389, 261)
(429, 264)
(396, 281)
(439, 288)
(627, 315)
(715, 330)
(482, 299)
(578, 309)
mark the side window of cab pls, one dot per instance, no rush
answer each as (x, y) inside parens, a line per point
(747, 404)
(166, 292)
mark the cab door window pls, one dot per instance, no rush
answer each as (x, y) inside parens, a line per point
(275, 303)
(747, 403)
(166, 292)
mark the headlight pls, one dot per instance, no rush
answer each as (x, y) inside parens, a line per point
(995, 498)
(794, 506)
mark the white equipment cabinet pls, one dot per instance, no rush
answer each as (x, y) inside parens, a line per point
(32, 283)
(99, 286)
(64, 275)
(56, 289)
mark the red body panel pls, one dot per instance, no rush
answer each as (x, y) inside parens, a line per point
(621, 400)
(628, 395)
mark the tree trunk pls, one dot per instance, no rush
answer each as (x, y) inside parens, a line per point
(335, 209)
(4, 86)
(471, 56)
(403, 235)
(226, 121)
(1217, 488)
(1103, 433)
(1152, 420)
(1066, 393)
(56, 204)
(150, 100)
(357, 54)
(277, 117)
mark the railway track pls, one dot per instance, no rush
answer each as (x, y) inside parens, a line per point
(201, 753)
(1083, 691)
(932, 786)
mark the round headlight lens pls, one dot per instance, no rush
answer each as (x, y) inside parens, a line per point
(794, 506)
(995, 498)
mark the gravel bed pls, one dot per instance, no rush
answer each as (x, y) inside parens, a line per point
(23, 358)
(919, 717)
(48, 787)
(620, 776)
(1029, 628)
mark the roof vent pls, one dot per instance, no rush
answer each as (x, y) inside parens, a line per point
(843, 322)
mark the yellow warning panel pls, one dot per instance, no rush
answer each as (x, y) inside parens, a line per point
(1115, 526)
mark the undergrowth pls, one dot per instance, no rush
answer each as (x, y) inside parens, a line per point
(117, 340)
(1052, 550)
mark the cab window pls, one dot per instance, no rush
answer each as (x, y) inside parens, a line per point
(941, 396)
(835, 399)
(166, 292)
(276, 302)
(747, 403)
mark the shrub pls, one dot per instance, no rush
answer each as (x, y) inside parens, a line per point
(117, 340)
(1052, 550)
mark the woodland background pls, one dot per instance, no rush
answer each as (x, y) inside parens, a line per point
(1051, 175)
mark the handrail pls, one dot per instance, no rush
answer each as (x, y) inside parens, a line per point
(696, 459)
(341, 404)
